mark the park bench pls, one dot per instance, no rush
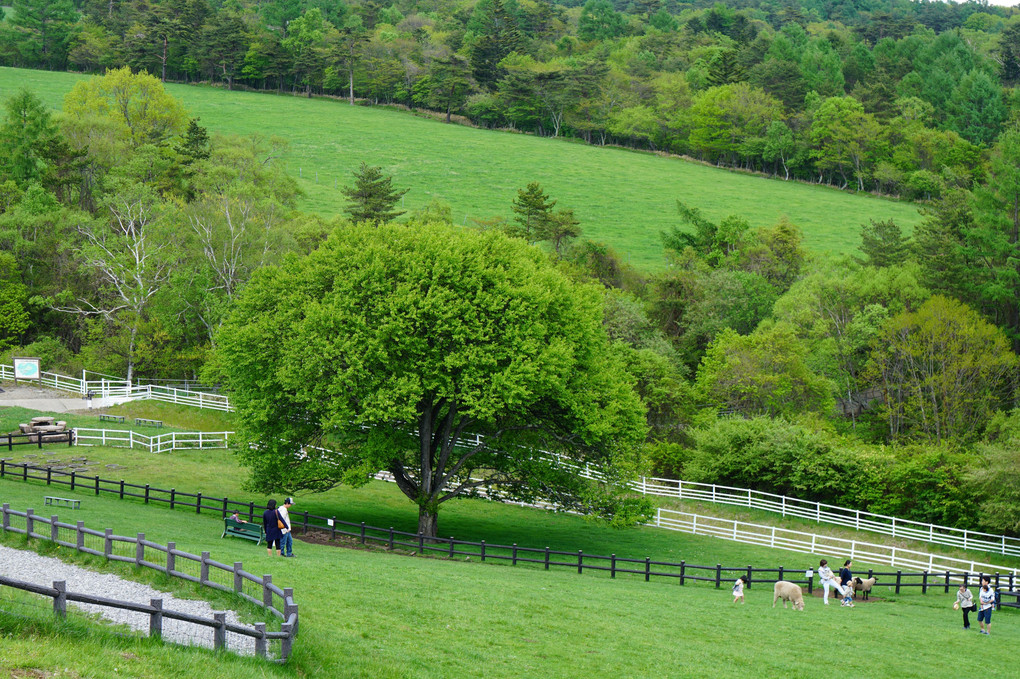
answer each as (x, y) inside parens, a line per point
(62, 501)
(152, 423)
(240, 529)
(111, 418)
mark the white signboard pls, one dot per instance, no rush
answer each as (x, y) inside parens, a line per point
(26, 369)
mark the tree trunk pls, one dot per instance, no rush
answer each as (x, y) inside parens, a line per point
(350, 81)
(165, 43)
(428, 523)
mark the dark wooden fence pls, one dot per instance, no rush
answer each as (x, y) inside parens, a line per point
(174, 563)
(37, 439)
(390, 538)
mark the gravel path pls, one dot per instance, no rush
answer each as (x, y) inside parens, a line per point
(44, 570)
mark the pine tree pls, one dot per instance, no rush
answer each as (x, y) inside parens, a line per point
(533, 209)
(883, 244)
(372, 198)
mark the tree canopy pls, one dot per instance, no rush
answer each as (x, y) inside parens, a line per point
(393, 347)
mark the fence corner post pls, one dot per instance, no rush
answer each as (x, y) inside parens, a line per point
(238, 581)
(267, 593)
(170, 559)
(204, 569)
(260, 640)
(54, 531)
(139, 549)
(108, 542)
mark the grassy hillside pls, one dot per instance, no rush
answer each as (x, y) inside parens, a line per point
(623, 198)
(370, 614)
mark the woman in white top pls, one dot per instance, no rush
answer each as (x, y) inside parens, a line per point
(828, 580)
(986, 598)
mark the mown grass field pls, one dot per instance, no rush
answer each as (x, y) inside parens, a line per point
(370, 614)
(623, 198)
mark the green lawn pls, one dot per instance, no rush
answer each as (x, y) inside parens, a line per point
(624, 198)
(370, 614)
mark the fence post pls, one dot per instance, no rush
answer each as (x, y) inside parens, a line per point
(289, 607)
(391, 533)
(29, 522)
(513, 556)
(966, 576)
(947, 582)
(49, 475)
(79, 535)
(238, 581)
(54, 535)
(139, 549)
(97, 484)
(267, 594)
(170, 558)
(332, 531)
(156, 618)
(899, 574)
(749, 574)
(483, 551)
(683, 569)
(60, 601)
(648, 568)
(251, 511)
(810, 585)
(203, 576)
(260, 640)
(198, 503)
(452, 541)
(7, 517)
(173, 493)
(924, 582)
(108, 543)
(781, 573)
(224, 508)
(580, 558)
(421, 543)
(122, 489)
(547, 558)
(220, 631)
(718, 575)
(363, 537)
(286, 642)
(146, 493)
(304, 527)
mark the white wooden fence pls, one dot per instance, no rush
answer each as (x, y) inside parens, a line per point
(122, 389)
(809, 543)
(160, 443)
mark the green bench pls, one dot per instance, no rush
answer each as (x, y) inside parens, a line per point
(111, 418)
(240, 529)
(151, 423)
(62, 501)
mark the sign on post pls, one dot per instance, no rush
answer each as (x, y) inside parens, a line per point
(26, 369)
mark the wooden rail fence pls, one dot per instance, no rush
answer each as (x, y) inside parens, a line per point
(390, 538)
(135, 550)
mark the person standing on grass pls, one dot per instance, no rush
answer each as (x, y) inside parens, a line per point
(738, 589)
(965, 602)
(828, 580)
(287, 539)
(270, 523)
(987, 599)
(846, 579)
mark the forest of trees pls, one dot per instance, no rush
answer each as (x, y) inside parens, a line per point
(885, 379)
(891, 96)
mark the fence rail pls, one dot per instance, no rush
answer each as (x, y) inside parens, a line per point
(160, 443)
(123, 389)
(929, 572)
(174, 563)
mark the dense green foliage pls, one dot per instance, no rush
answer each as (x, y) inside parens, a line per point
(390, 343)
(898, 97)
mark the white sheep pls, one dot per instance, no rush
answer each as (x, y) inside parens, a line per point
(787, 591)
(863, 586)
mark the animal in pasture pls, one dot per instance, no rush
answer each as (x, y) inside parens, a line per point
(787, 591)
(863, 586)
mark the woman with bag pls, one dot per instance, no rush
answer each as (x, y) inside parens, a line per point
(965, 603)
(828, 580)
(271, 523)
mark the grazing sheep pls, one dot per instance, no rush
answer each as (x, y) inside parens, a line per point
(787, 591)
(863, 586)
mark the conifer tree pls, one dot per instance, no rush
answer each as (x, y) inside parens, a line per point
(533, 209)
(372, 198)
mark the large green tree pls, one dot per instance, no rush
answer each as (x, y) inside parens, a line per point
(449, 358)
(372, 198)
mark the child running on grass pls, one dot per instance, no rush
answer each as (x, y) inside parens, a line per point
(738, 589)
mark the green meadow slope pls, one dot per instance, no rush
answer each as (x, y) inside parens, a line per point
(623, 198)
